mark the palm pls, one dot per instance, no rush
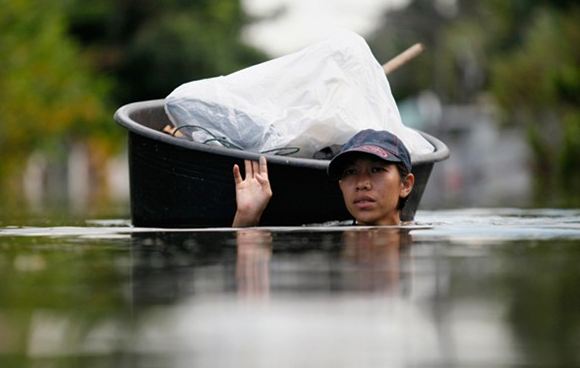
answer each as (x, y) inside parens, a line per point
(252, 192)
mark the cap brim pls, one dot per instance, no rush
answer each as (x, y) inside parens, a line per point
(336, 165)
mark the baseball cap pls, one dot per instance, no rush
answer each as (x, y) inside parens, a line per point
(379, 143)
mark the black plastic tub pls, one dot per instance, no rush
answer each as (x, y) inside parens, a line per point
(178, 183)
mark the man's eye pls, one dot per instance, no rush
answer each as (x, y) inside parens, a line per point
(348, 172)
(378, 169)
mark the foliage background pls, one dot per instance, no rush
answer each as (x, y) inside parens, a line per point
(68, 64)
(522, 56)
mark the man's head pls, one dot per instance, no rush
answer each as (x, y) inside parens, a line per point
(381, 144)
(374, 173)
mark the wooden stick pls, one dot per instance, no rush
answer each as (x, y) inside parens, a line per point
(403, 58)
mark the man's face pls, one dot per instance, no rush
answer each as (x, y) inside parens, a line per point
(371, 189)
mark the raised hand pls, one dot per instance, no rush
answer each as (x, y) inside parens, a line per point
(253, 192)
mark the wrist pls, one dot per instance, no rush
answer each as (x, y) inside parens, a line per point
(246, 218)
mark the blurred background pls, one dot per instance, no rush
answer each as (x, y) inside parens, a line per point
(499, 83)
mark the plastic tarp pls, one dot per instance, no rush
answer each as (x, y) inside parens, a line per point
(309, 100)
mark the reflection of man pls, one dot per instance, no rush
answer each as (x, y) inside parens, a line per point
(254, 249)
(378, 253)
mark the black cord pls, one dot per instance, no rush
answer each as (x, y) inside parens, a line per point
(282, 151)
(289, 151)
(223, 140)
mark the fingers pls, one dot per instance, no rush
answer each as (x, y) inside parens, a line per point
(237, 175)
(261, 179)
(249, 170)
(263, 167)
(253, 168)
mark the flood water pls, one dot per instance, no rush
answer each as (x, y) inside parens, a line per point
(464, 288)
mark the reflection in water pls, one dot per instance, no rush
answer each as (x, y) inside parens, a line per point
(470, 292)
(254, 249)
(376, 254)
(379, 254)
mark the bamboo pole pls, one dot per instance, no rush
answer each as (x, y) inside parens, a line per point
(403, 58)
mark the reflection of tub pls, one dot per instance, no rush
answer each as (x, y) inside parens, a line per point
(178, 183)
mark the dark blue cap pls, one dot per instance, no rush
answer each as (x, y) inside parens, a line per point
(379, 143)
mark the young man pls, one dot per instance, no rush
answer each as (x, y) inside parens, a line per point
(373, 170)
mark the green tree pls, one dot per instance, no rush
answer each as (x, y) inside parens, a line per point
(538, 86)
(152, 47)
(67, 64)
(48, 94)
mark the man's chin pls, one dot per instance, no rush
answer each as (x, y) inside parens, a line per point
(363, 218)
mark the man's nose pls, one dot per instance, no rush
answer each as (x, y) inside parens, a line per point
(363, 181)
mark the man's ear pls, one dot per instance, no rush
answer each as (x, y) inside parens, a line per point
(407, 185)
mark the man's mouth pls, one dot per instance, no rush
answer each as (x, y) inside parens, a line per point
(364, 202)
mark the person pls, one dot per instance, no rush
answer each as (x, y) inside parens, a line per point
(373, 170)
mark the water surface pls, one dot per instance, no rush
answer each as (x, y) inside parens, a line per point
(466, 288)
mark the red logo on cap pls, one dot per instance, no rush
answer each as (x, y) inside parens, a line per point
(374, 150)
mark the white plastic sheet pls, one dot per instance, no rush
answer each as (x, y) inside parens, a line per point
(315, 98)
